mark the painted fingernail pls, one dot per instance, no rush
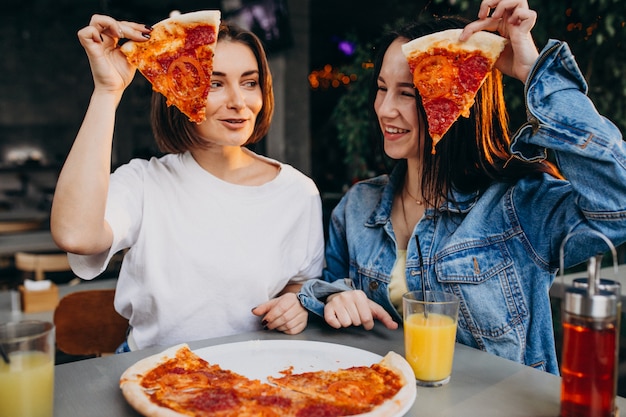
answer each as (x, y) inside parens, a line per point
(148, 27)
(265, 328)
(146, 35)
(264, 323)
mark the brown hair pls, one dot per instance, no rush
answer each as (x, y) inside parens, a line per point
(173, 131)
(476, 150)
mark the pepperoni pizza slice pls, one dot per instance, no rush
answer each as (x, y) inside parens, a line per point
(178, 59)
(448, 73)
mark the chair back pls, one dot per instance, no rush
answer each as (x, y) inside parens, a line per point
(87, 323)
(40, 263)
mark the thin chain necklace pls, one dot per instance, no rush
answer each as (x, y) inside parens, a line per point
(417, 201)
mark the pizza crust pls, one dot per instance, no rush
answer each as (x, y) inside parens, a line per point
(169, 25)
(407, 393)
(489, 44)
(130, 384)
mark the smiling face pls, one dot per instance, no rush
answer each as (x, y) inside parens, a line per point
(395, 106)
(235, 98)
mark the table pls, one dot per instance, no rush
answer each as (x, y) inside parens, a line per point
(40, 240)
(482, 385)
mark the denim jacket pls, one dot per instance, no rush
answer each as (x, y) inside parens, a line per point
(498, 250)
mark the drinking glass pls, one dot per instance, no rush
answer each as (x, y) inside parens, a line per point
(430, 321)
(27, 380)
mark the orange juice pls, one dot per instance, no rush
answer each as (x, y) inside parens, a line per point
(429, 345)
(26, 385)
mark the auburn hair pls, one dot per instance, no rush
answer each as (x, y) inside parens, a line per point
(173, 131)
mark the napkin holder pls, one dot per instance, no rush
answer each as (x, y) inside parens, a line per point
(37, 300)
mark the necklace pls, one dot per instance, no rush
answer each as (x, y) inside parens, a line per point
(418, 202)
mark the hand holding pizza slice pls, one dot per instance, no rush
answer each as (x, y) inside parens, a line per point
(448, 73)
(178, 59)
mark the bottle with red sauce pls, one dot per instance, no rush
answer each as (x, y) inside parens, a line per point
(591, 319)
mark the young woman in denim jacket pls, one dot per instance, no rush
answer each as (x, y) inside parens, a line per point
(483, 218)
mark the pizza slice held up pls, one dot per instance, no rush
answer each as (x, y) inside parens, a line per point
(178, 59)
(448, 73)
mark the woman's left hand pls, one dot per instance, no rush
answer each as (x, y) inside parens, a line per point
(512, 19)
(283, 313)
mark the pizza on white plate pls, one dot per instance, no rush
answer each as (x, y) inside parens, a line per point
(178, 382)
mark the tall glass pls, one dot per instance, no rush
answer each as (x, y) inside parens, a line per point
(430, 321)
(27, 380)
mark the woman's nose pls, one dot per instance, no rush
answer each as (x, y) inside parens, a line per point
(235, 99)
(387, 107)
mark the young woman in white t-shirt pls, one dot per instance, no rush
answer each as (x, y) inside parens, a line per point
(218, 238)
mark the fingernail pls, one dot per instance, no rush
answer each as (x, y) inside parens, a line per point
(265, 328)
(101, 38)
(148, 27)
(264, 323)
(146, 35)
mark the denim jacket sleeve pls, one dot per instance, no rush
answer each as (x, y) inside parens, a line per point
(588, 149)
(313, 293)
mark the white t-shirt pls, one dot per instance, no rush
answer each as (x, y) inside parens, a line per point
(204, 252)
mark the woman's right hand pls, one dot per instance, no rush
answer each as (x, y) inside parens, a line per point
(109, 67)
(353, 308)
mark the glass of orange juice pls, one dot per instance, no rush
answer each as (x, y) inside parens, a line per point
(430, 321)
(27, 369)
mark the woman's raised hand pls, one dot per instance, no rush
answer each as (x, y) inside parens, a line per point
(512, 19)
(111, 71)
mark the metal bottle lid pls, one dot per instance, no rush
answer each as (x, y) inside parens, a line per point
(602, 305)
(593, 297)
(605, 284)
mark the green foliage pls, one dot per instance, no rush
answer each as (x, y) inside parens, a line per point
(351, 117)
(594, 29)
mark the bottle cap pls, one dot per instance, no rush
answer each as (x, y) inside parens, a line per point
(601, 305)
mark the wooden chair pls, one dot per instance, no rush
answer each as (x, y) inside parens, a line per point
(40, 263)
(87, 323)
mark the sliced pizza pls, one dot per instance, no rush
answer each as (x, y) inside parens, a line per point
(178, 59)
(448, 73)
(179, 383)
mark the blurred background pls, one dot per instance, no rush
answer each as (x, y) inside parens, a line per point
(319, 52)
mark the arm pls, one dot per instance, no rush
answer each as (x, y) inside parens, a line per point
(77, 218)
(331, 297)
(588, 148)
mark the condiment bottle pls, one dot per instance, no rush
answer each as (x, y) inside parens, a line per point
(591, 318)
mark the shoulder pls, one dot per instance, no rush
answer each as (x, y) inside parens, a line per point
(169, 161)
(364, 196)
(291, 176)
(368, 188)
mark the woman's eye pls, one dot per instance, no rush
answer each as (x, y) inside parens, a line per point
(251, 83)
(409, 93)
